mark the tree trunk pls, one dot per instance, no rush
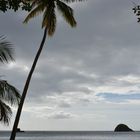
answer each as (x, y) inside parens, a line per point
(13, 134)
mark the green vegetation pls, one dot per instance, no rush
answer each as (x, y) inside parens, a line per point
(136, 10)
(6, 5)
(9, 95)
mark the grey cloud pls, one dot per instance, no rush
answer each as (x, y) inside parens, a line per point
(60, 115)
(64, 104)
(104, 45)
(99, 37)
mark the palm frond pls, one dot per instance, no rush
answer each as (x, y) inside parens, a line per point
(6, 50)
(67, 13)
(5, 113)
(70, 1)
(35, 2)
(9, 93)
(36, 11)
(49, 20)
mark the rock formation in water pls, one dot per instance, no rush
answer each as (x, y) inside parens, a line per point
(122, 128)
(18, 130)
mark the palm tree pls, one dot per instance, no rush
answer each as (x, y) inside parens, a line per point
(6, 51)
(47, 7)
(8, 93)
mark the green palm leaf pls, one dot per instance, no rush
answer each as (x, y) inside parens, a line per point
(9, 93)
(49, 15)
(5, 113)
(6, 50)
(67, 13)
(70, 1)
(36, 11)
(49, 20)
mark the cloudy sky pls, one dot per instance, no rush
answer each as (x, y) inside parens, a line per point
(87, 78)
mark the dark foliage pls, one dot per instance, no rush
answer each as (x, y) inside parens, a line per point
(136, 10)
(14, 5)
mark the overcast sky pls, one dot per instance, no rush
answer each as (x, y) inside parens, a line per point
(88, 78)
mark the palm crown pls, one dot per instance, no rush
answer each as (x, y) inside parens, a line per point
(47, 7)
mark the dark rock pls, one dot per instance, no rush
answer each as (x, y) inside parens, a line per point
(18, 130)
(122, 128)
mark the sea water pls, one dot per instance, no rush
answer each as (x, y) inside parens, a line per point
(72, 135)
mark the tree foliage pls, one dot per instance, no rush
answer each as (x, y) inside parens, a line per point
(9, 95)
(6, 51)
(48, 9)
(14, 5)
(136, 10)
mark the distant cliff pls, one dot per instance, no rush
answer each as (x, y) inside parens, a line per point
(122, 128)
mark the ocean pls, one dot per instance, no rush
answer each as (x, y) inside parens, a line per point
(72, 135)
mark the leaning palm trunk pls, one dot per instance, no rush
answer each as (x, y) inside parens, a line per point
(47, 7)
(13, 134)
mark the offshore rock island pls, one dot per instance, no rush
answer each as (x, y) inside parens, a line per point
(19, 130)
(122, 128)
